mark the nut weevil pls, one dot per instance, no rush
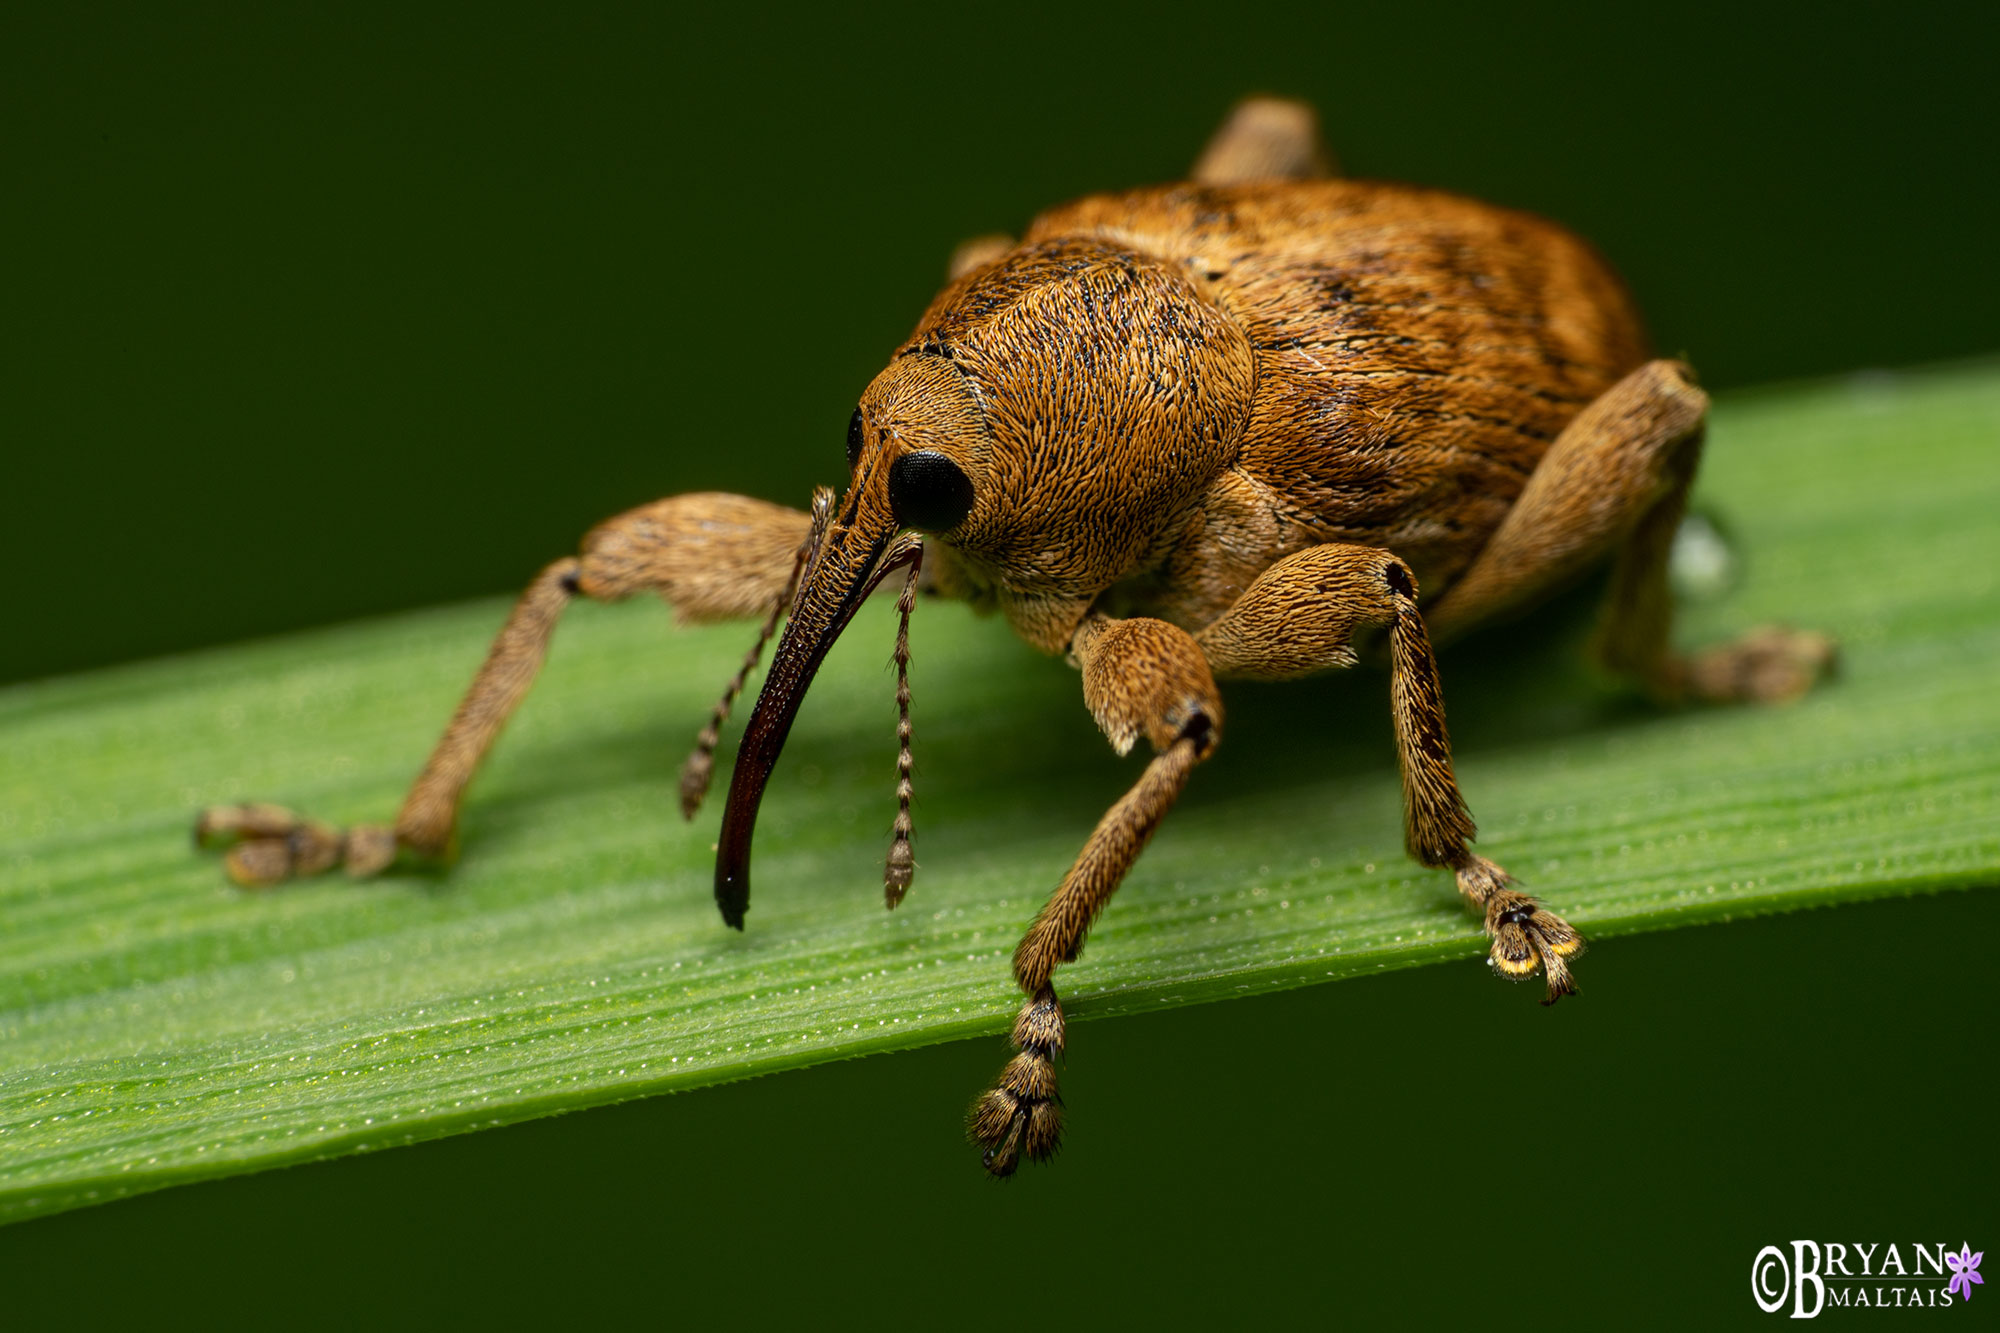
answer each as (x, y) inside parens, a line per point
(1196, 431)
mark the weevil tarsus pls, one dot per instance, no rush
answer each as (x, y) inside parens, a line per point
(1021, 1114)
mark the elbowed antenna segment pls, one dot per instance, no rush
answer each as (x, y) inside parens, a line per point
(701, 763)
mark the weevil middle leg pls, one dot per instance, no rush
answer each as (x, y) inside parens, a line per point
(1298, 618)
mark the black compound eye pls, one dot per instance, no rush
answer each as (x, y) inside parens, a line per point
(929, 492)
(854, 439)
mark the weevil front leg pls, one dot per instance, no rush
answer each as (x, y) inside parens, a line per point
(713, 556)
(1617, 480)
(1299, 618)
(1140, 678)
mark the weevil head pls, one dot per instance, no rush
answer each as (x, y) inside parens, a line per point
(1053, 422)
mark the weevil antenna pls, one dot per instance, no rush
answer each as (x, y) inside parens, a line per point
(902, 864)
(812, 550)
(700, 765)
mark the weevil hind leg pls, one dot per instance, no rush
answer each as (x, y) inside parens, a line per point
(714, 557)
(1616, 481)
(1265, 139)
(1140, 678)
(1766, 664)
(1298, 618)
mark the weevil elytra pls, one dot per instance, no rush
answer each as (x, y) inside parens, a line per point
(1207, 430)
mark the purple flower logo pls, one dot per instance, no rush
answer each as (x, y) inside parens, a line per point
(1964, 1271)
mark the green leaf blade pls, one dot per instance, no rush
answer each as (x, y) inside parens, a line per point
(158, 1025)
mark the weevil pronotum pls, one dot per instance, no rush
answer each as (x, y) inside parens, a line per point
(1207, 430)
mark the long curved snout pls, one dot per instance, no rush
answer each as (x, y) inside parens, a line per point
(836, 580)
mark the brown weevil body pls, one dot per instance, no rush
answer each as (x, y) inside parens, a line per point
(1204, 430)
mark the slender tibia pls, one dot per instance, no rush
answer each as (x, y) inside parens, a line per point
(1437, 826)
(1058, 933)
(429, 816)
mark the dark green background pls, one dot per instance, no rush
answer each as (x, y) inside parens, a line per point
(315, 312)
